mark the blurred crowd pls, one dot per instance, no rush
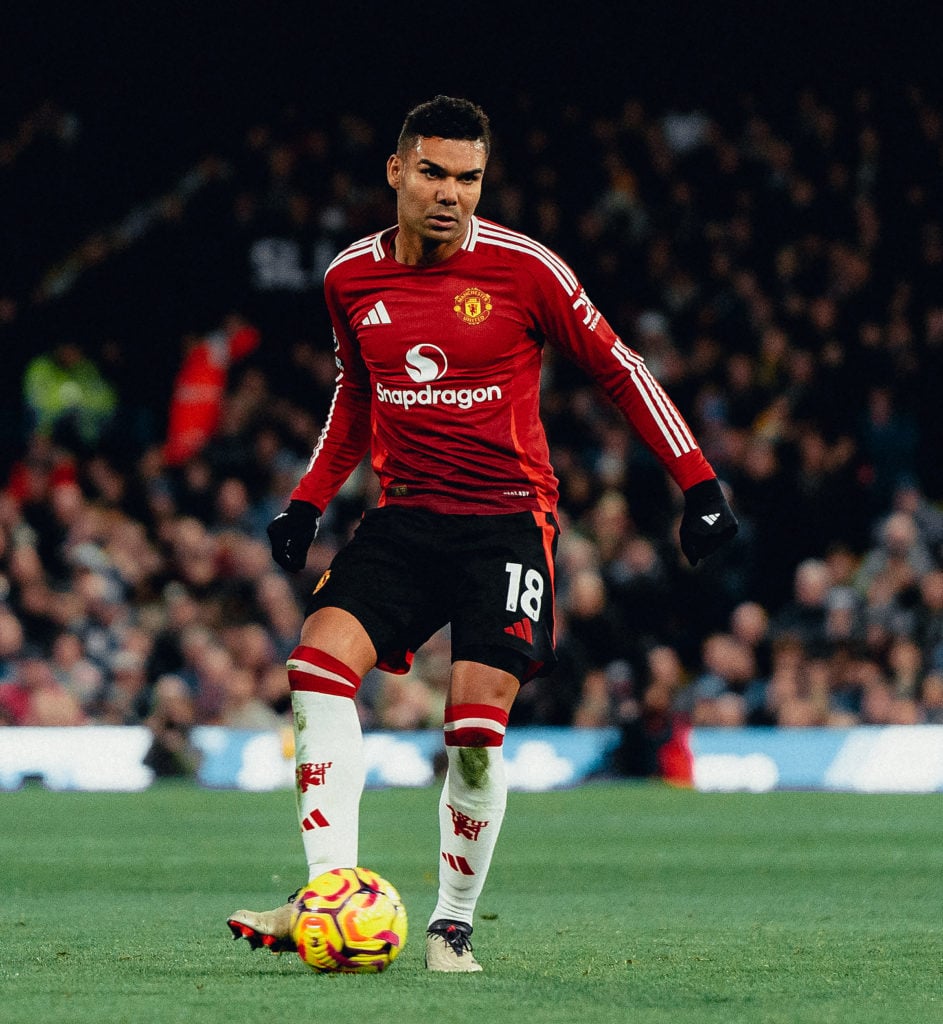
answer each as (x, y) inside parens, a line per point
(780, 267)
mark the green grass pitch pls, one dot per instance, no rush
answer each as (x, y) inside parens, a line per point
(608, 903)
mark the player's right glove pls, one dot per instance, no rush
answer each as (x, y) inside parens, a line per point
(708, 521)
(291, 533)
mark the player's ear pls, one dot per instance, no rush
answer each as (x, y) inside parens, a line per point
(394, 171)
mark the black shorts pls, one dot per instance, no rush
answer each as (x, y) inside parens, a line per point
(406, 573)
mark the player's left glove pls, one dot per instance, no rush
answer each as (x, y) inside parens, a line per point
(708, 521)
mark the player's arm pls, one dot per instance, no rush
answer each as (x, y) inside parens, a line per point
(342, 444)
(584, 335)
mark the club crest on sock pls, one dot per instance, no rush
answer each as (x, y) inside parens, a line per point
(308, 775)
(464, 826)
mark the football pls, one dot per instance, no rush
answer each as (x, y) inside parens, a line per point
(349, 921)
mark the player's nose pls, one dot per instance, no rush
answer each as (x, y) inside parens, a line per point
(446, 194)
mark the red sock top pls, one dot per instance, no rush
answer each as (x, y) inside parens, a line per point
(315, 671)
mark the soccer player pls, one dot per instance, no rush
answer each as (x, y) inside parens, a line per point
(439, 323)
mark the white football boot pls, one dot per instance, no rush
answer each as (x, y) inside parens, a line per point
(448, 947)
(268, 928)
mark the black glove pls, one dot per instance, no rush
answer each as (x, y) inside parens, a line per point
(291, 533)
(707, 522)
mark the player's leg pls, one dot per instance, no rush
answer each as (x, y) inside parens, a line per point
(324, 672)
(502, 634)
(366, 606)
(471, 806)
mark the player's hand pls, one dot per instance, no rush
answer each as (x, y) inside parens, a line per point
(291, 533)
(708, 521)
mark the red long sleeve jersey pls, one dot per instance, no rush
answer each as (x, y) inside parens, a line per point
(439, 376)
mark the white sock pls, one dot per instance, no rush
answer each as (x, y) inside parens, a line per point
(471, 807)
(329, 761)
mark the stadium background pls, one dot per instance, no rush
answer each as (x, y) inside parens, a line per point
(146, 153)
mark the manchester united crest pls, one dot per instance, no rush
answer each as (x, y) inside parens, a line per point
(473, 306)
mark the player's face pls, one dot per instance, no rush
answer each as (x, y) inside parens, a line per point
(438, 185)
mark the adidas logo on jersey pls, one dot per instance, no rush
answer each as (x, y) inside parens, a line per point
(711, 518)
(377, 315)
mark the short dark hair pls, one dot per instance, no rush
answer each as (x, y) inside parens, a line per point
(445, 117)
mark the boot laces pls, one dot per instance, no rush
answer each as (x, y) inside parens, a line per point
(455, 934)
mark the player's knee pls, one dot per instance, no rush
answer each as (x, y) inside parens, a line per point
(340, 635)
